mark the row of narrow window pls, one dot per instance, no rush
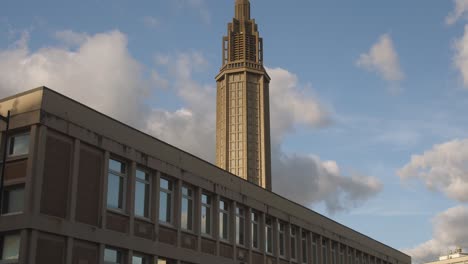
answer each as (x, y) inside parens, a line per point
(273, 230)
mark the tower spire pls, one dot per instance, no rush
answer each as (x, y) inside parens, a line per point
(242, 12)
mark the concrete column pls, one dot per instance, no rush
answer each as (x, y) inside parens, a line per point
(38, 176)
(155, 207)
(104, 190)
(248, 233)
(131, 175)
(215, 222)
(177, 210)
(69, 253)
(32, 247)
(197, 215)
(31, 163)
(74, 180)
(23, 250)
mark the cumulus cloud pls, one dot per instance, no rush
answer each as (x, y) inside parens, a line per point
(101, 73)
(382, 58)
(291, 105)
(443, 168)
(309, 180)
(461, 56)
(449, 231)
(460, 11)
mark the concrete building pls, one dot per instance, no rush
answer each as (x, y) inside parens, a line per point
(242, 114)
(83, 188)
(453, 257)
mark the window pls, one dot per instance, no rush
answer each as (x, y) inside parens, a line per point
(18, 145)
(304, 246)
(350, 256)
(269, 235)
(240, 225)
(10, 247)
(116, 183)
(281, 239)
(324, 251)
(165, 261)
(206, 214)
(333, 253)
(293, 239)
(142, 193)
(13, 199)
(166, 189)
(314, 249)
(341, 259)
(223, 220)
(255, 230)
(187, 209)
(112, 256)
(140, 259)
(358, 258)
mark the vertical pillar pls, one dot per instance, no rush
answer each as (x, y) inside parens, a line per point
(74, 179)
(131, 196)
(69, 253)
(23, 250)
(248, 233)
(31, 164)
(104, 190)
(38, 176)
(155, 208)
(177, 210)
(233, 228)
(197, 215)
(216, 224)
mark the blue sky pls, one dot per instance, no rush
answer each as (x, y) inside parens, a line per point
(381, 112)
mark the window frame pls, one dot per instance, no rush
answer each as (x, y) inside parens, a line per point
(293, 230)
(189, 198)
(282, 239)
(269, 243)
(148, 183)
(120, 255)
(324, 251)
(209, 206)
(5, 199)
(256, 223)
(171, 192)
(2, 248)
(224, 213)
(124, 178)
(13, 135)
(240, 218)
(315, 249)
(304, 247)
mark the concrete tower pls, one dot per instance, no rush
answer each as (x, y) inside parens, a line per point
(242, 114)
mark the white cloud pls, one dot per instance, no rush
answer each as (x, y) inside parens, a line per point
(461, 8)
(449, 231)
(443, 168)
(461, 56)
(309, 180)
(151, 22)
(291, 105)
(71, 38)
(383, 59)
(101, 73)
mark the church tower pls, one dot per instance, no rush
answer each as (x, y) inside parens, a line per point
(243, 108)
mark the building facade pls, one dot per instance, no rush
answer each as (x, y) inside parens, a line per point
(453, 257)
(242, 114)
(82, 188)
